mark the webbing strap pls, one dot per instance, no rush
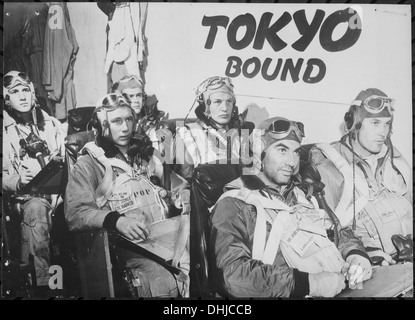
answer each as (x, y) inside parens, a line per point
(190, 144)
(344, 209)
(263, 250)
(105, 187)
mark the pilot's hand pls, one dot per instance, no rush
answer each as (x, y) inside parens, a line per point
(25, 177)
(357, 269)
(387, 259)
(132, 228)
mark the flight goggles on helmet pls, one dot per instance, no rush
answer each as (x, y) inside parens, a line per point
(214, 83)
(280, 129)
(15, 78)
(131, 77)
(112, 101)
(375, 104)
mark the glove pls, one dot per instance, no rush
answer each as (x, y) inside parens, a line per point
(379, 253)
(357, 269)
(326, 284)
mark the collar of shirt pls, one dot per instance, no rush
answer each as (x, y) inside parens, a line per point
(373, 158)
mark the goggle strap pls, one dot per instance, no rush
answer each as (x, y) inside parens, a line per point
(118, 98)
(357, 103)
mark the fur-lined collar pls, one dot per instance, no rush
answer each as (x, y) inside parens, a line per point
(40, 117)
(141, 148)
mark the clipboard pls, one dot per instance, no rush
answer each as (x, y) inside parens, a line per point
(47, 181)
(386, 281)
(160, 248)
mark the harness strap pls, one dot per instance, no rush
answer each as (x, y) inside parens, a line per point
(182, 238)
(263, 250)
(160, 203)
(105, 187)
(190, 143)
(195, 136)
(405, 171)
(224, 142)
(344, 209)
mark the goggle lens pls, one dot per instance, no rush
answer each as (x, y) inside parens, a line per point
(217, 82)
(10, 80)
(132, 77)
(375, 104)
(112, 100)
(378, 103)
(214, 83)
(283, 126)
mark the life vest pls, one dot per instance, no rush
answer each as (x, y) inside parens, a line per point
(200, 146)
(383, 213)
(130, 193)
(302, 239)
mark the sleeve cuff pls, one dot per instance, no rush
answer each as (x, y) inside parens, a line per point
(110, 220)
(301, 284)
(359, 252)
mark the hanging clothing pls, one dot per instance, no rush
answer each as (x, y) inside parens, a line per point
(32, 44)
(60, 51)
(126, 40)
(24, 33)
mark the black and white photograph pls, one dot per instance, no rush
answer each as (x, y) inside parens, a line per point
(182, 151)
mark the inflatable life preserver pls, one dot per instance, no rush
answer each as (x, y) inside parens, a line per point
(304, 243)
(130, 193)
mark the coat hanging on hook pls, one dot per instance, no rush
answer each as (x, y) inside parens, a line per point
(126, 39)
(60, 51)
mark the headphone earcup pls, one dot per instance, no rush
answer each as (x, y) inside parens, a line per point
(349, 119)
(96, 124)
(94, 121)
(201, 108)
(201, 101)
